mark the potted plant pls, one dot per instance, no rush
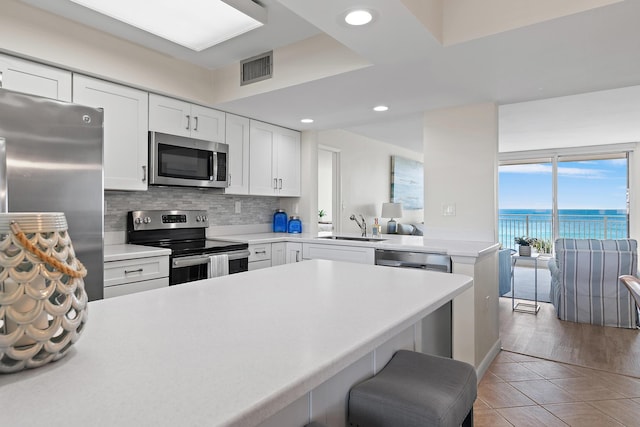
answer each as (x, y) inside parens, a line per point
(321, 214)
(525, 243)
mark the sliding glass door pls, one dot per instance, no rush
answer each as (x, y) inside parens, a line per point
(525, 201)
(563, 196)
(592, 197)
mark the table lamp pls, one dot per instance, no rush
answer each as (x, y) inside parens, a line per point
(391, 210)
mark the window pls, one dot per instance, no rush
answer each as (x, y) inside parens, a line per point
(572, 196)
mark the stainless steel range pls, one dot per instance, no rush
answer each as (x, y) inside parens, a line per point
(193, 256)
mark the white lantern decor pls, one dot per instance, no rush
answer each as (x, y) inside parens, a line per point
(43, 303)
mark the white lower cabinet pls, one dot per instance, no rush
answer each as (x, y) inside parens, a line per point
(278, 253)
(260, 256)
(338, 253)
(293, 252)
(271, 254)
(135, 275)
(285, 253)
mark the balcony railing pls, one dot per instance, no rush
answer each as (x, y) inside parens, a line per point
(540, 226)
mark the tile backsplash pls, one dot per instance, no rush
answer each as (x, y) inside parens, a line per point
(221, 208)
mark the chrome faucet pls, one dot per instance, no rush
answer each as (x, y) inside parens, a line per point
(362, 225)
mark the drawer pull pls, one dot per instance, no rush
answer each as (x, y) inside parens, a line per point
(261, 252)
(140, 270)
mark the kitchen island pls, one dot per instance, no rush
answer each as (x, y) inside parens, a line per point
(273, 347)
(475, 313)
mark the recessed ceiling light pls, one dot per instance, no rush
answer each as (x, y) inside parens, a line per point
(307, 120)
(358, 17)
(380, 108)
(195, 24)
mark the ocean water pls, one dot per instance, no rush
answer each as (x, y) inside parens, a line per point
(573, 223)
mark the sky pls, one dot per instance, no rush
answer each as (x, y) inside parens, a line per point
(593, 184)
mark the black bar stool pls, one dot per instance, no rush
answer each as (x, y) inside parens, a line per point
(416, 390)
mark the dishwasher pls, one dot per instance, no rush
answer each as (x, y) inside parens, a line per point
(436, 327)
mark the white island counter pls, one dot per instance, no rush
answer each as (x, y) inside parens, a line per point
(238, 350)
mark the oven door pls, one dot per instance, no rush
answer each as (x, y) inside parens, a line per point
(196, 267)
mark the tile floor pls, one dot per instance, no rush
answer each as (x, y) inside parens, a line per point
(520, 390)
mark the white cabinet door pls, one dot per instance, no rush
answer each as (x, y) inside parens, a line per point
(338, 253)
(135, 287)
(207, 124)
(169, 115)
(262, 177)
(125, 130)
(135, 270)
(237, 137)
(35, 79)
(278, 254)
(274, 160)
(294, 252)
(176, 117)
(288, 161)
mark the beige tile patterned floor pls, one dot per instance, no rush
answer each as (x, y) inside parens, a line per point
(520, 390)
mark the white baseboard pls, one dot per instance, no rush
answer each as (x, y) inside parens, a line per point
(488, 359)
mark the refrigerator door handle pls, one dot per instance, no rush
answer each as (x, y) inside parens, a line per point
(3, 175)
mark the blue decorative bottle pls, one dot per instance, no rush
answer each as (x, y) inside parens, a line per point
(280, 221)
(295, 225)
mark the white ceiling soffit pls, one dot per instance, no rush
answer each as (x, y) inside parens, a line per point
(412, 71)
(596, 118)
(260, 40)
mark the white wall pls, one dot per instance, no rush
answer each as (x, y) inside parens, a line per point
(366, 176)
(460, 159)
(325, 183)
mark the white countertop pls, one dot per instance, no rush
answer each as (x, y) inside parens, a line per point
(227, 351)
(122, 252)
(390, 242)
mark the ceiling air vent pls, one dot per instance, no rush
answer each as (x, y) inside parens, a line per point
(256, 68)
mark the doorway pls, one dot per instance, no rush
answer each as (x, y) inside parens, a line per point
(329, 198)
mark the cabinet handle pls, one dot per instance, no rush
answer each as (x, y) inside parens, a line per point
(188, 121)
(229, 181)
(275, 183)
(144, 174)
(0, 78)
(280, 180)
(140, 270)
(196, 127)
(261, 252)
(297, 253)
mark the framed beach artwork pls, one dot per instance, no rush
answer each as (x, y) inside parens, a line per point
(407, 183)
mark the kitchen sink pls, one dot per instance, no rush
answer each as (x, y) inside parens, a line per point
(354, 238)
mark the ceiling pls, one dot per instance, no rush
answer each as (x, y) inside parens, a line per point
(411, 71)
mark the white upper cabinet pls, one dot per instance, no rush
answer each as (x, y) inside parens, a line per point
(125, 130)
(35, 79)
(237, 137)
(175, 117)
(274, 160)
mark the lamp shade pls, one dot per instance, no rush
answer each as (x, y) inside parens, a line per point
(391, 210)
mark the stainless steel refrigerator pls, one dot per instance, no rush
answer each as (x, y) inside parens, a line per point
(51, 161)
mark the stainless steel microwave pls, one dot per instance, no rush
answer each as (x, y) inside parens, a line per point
(187, 162)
